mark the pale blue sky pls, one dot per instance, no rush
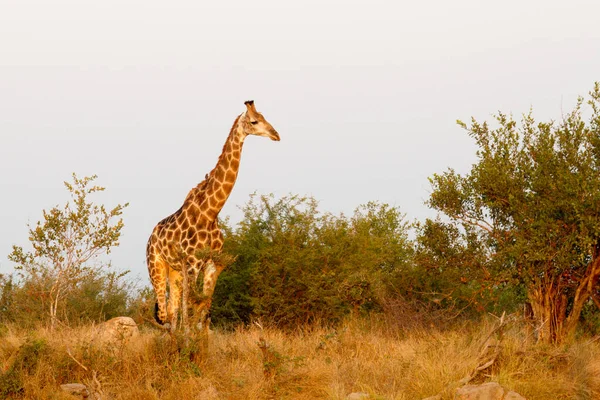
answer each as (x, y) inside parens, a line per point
(364, 94)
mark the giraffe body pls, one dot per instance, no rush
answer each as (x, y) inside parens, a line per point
(176, 239)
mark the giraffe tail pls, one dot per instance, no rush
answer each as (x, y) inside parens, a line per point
(156, 314)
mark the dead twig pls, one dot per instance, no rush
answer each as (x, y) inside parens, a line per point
(488, 352)
(74, 359)
(156, 324)
(92, 385)
(270, 359)
(97, 386)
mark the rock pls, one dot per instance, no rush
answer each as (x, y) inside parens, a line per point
(209, 393)
(513, 396)
(76, 389)
(486, 391)
(358, 396)
(118, 330)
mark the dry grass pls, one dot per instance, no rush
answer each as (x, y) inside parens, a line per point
(361, 356)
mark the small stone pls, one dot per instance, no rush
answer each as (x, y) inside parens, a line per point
(117, 330)
(210, 393)
(486, 391)
(76, 389)
(358, 396)
(513, 396)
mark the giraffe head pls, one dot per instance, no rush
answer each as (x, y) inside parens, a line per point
(254, 123)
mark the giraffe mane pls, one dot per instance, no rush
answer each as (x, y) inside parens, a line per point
(210, 176)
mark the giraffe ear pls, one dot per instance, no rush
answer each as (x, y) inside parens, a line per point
(250, 105)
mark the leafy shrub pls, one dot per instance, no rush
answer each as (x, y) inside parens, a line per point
(296, 265)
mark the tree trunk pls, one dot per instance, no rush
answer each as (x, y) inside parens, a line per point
(54, 306)
(583, 293)
(550, 304)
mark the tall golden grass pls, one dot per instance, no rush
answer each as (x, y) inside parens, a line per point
(360, 356)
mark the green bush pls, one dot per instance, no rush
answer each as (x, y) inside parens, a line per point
(28, 356)
(296, 265)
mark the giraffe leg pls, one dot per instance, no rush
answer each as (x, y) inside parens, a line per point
(174, 297)
(158, 278)
(211, 274)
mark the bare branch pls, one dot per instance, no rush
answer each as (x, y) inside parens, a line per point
(74, 359)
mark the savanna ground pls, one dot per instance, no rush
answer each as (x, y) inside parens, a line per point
(361, 355)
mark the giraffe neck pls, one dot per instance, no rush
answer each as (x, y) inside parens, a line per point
(217, 187)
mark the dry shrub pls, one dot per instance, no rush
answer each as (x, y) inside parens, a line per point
(402, 315)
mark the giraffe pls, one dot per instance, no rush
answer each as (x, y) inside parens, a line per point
(176, 239)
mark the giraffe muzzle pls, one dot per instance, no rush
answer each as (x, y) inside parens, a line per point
(274, 135)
